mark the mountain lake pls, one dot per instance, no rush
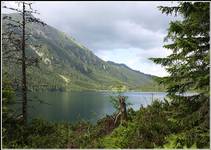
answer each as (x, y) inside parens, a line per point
(83, 105)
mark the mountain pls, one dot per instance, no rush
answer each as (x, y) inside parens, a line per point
(66, 64)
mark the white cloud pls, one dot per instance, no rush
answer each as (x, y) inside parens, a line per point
(136, 59)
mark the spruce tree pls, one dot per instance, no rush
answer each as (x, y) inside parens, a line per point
(188, 64)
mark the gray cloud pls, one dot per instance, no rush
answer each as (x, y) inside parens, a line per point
(108, 25)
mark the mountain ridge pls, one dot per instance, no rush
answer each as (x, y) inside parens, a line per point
(67, 64)
(124, 65)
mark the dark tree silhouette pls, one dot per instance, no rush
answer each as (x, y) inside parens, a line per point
(15, 41)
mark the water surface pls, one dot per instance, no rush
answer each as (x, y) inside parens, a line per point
(86, 105)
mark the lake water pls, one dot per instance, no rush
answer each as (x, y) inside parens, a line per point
(75, 106)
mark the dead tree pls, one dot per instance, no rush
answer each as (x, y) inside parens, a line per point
(17, 36)
(122, 115)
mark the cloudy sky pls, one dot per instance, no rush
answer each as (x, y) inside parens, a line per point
(123, 32)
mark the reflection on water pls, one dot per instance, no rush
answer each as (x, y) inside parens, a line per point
(74, 106)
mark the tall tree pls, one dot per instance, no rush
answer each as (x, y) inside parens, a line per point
(188, 68)
(188, 64)
(17, 36)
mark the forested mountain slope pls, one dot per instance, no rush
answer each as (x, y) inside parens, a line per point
(66, 64)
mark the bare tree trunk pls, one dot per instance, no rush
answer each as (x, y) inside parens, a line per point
(123, 109)
(24, 87)
(122, 115)
(117, 118)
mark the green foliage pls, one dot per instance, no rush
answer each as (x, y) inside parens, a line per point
(43, 134)
(188, 65)
(7, 90)
(120, 137)
(189, 139)
(48, 135)
(7, 96)
(192, 118)
(37, 134)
